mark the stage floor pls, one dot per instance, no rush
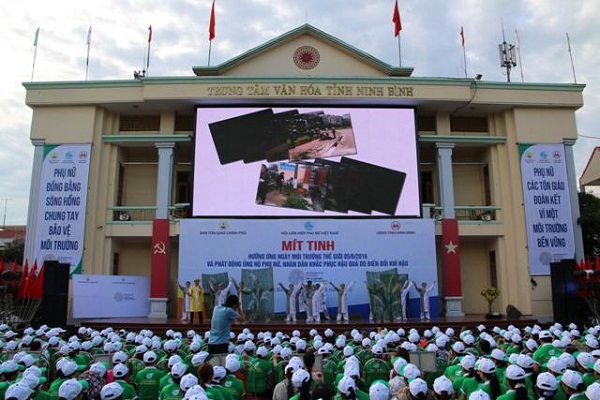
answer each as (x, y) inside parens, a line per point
(160, 325)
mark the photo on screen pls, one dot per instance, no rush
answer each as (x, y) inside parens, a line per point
(319, 135)
(297, 185)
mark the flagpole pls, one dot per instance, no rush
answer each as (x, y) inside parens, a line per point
(148, 50)
(462, 39)
(519, 55)
(35, 44)
(571, 56)
(87, 60)
(209, 50)
(399, 52)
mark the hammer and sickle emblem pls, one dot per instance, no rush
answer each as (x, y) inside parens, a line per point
(160, 248)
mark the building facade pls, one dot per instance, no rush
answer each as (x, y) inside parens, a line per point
(141, 160)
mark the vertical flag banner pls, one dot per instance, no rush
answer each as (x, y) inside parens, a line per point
(62, 204)
(396, 20)
(462, 37)
(550, 235)
(149, 33)
(212, 23)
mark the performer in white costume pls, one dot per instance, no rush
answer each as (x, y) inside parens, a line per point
(424, 292)
(403, 299)
(342, 292)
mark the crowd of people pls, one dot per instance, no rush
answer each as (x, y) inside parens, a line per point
(483, 363)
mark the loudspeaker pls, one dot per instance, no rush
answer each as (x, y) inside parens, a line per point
(513, 312)
(56, 294)
(566, 305)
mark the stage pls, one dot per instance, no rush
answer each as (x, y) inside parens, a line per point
(159, 325)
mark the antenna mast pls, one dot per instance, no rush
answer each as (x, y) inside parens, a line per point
(508, 55)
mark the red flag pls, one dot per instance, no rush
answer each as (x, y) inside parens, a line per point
(149, 33)
(211, 25)
(396, 20)
(30, 281)
(23, 280)
(14, 266)
(37, 289)
(462, 37)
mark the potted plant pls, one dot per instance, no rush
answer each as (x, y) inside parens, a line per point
(490, 294)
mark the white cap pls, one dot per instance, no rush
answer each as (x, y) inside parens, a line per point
(486, 366)
(417, 386)
(399, 364)
(557, 365)
(544, 335)
(593, 391)
(120, 370)
(442, 384)
(261, 351)
(479, 395)
(586, 360)
(219, 373)
(149, 357)
(232, 363)
(547, 382)
(515, 373)
(19, 391)
(524, 361)
(299, 377)
(199, 358)
(120, 357)
(411, 371)
(458, 347)
(70, 389)
(187, 381)
(68, 367)
(572, 379)
(498, 354)
(347, 386)
(379, 390)
(111, 391)
(98, 368)
(348, 351)
(178, 370)
(468, 362)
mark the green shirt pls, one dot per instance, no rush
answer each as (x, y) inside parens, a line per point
(234, 386)
(42, 395)
(147, 382)
(469, 385)
(543, 353)
(128, 390)
(171, 392)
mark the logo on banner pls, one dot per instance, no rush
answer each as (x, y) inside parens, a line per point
(556, 155)
(223, 225)
(160, 248)
(308, 226)
(395, 225)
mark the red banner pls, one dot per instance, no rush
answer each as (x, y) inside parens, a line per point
(451, 258)
(159, 275)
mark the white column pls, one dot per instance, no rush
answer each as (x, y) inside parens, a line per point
(573, 196)
(446, 178)
(164, 183)
(34, 199)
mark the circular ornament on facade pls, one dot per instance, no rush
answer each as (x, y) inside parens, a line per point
(306, 57)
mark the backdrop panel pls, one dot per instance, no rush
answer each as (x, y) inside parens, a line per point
(110, 296)
(381, 252)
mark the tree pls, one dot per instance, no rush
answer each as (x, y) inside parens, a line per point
(14, 251)
(589, 208)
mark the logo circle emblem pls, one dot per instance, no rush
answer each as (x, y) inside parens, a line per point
(306, 57)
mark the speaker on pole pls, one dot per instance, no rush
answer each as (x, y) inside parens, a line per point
(56, 294)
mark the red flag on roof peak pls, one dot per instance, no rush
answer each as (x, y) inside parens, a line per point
(396, 20)
(212, 23)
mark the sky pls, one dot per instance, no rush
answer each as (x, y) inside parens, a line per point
(430, 40)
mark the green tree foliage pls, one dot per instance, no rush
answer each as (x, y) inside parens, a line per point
(589, 208)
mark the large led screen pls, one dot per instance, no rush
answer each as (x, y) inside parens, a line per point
(310, 162)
